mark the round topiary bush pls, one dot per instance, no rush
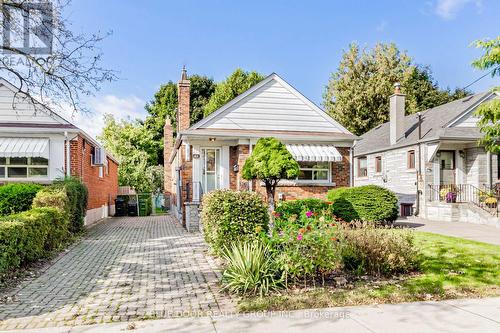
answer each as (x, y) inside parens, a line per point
(228, 216)
(370, 203)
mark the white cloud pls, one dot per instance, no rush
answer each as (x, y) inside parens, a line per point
(129, 108)
(381, 26)
(448, 9)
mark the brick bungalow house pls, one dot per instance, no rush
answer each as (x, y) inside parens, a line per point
(210, 154)
(38, 145)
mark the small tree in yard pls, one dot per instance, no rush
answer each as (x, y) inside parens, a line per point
(489, 113)
(270, 162)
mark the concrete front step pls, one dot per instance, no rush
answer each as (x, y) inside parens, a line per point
(459, 212)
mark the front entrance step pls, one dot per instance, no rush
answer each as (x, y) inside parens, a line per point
(459, 212)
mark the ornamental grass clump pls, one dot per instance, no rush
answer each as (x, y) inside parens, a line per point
(250, 269)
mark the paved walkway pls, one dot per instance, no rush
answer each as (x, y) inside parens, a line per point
(124, 269)
(477, 232)
(457, 316)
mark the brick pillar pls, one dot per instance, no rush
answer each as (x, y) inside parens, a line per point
(168, 147)
(183, 91)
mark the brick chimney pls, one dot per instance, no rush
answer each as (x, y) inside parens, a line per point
(168, 147)
(183, 91)
(397, 114)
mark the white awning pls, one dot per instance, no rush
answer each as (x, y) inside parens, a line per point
(314, 153)
(24, 147)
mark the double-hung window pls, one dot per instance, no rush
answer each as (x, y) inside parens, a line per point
(314, 172)
(362, 167)
(24, 167)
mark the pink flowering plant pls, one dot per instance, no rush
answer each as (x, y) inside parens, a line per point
(307, 247)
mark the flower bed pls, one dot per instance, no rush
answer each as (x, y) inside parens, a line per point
(309, 246)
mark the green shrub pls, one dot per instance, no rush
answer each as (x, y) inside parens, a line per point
(369, 203)
(378, 251)
(230, 216)
(308, 249)
(15, 198)
(71, 196)
(287, 209)
(31, 235)
(11, 236)
(250, 269)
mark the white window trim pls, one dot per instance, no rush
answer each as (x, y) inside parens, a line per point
(28, 166)
(315, 181)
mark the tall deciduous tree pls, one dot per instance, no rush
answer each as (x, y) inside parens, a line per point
(489, 112)
(237, 83)
(357, 94)
(165, 104)
(137, 151)
(270, 162)
(61, 68)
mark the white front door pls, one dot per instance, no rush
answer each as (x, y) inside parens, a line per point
(210, 177)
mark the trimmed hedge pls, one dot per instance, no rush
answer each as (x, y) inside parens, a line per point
(31, 235)
(230, 216)
(15, 198)
(71, 196)
(58, 211)
(368, 203)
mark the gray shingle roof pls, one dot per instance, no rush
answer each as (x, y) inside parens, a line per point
(434, 122)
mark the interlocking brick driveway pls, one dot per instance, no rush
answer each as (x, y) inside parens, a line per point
(124, 269)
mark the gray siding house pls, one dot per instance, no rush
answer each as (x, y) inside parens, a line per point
(422, 156)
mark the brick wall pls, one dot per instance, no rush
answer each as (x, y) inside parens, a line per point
(102, 190)
(340, 176)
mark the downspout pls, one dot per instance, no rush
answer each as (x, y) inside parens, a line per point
(68, 162)
(250, 183)
(351, 166)
(489, 173)
(419, 172)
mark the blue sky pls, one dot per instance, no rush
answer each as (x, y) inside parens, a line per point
(300, 40)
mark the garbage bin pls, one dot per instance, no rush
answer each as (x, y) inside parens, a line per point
(145, 204)
(132, 208)
(120, 206)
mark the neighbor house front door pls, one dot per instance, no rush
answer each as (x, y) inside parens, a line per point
(210, 177)
(447, 167)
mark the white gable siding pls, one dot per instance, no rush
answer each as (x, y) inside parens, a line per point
(272, 107)
(469, 119)
(24, 111)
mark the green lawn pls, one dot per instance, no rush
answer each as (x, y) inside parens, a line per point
(451, 268)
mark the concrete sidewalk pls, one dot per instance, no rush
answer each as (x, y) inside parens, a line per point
(478, 232)
(475, 315)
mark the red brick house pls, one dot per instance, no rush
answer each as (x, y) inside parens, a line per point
(211, 153)
(38, 145)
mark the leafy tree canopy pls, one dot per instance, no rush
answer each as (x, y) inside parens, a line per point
(357, 94)
(489, 113)
(270, 162)
(165, 104)
(491, 57)
(137, 152)
(237, 83)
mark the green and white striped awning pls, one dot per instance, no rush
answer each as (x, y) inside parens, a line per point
(24, 147)
(314, 153)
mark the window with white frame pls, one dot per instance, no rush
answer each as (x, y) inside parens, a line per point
(24, 167)
(314, 172)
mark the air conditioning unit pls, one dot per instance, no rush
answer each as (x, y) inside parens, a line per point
(98, 156)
